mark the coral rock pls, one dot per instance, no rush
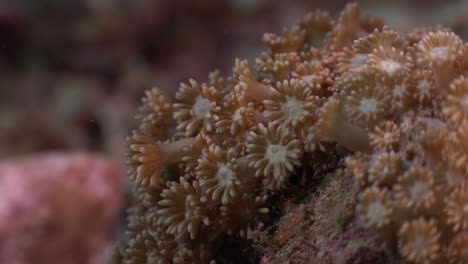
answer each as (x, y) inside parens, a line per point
(57, 208)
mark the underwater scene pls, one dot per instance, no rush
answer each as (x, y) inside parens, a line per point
(233, 131)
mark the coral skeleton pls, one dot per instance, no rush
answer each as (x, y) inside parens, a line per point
(391, 107)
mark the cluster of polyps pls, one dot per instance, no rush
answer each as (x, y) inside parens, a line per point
(415, 176)
(396, 101)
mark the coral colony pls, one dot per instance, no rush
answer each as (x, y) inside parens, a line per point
(393, 105)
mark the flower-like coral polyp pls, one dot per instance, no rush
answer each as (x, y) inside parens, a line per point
(279, 65)
(155, 112)
(391, 62)
(385, 135)
(197, 108)
(273, 151)
(183, 209)
(385, 39)
(350, 26)
(316, 24)
(419, 241)
(290, 40)
(247, 86)
(456, 107)
(195, 252)
(290, 102)
(244, 215)
(146, 158)
(349, 61)
(314, 74)
(439, 50)
(193, 151)
(237, 116)
(458, 145)
(368, 101)
(147, 244)
(357, 169)
(458, 249)
(457, 208)
(415, 189)
(422, 86)
(374, 209)
(385, 168)
(218, 173)
(333, 125)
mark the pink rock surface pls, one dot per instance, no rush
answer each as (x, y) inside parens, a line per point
(57, 208)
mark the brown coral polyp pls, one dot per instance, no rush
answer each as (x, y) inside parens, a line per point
(274, 152)
(367, 104)
(183, 209)
(419, 241)
(458, 144)
(244, 215)
(385, 135)
(218, 173)
(385, 39)
(289, 40)
(457, 208)
(248, 86)
(156, 112)
(147, 158)
(415, 189)
(374, 209)
(393, 63)
(333, 125)
(385, 168)
(197, 108)
(456, 106)
(278, 65)
(439, 50)
(290, 102)
(422, 86)
(458, 249)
